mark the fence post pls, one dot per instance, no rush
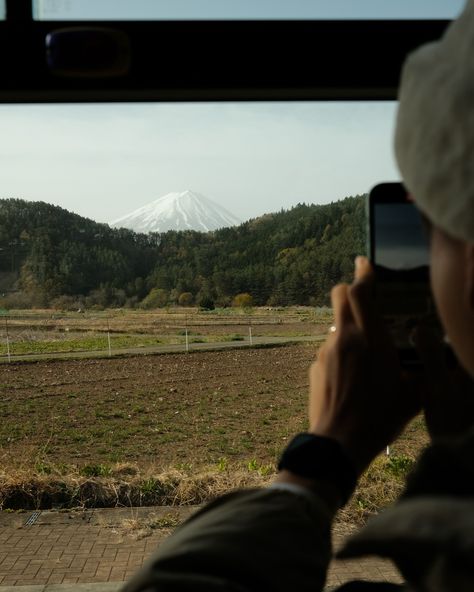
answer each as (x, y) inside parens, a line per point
(8, 340)
(108, 338)
(186, 332)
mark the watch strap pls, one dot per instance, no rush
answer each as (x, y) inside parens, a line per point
(318, 457)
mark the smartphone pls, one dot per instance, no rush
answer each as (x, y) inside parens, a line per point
(399, 252)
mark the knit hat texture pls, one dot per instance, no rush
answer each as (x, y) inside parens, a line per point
(434, 138)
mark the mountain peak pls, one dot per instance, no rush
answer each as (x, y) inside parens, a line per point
(179, 210)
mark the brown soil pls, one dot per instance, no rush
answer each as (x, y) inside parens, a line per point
(166, 410)
(187, 426)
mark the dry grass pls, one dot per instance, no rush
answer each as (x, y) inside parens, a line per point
(379, 487)
(139, 528)
(125, 485)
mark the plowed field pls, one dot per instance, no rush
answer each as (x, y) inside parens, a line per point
(166, 410)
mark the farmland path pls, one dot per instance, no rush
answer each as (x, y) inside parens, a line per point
(96, 550)
(164, 349)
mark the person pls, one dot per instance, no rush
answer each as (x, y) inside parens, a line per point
(278, 538)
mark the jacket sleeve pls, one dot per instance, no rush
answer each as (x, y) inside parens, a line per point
(263, 539)
(428, 533)
(446, 468)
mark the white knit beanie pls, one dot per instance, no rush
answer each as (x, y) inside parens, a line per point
(434, 139)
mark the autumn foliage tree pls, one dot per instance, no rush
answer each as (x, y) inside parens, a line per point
(243, 300)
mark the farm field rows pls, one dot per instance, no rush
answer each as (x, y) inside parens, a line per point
(226, 415)
(164, 410)
(49, 331)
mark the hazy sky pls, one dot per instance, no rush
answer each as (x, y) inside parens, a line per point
(246, 9)
(103, 161)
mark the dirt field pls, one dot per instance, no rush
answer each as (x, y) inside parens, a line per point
(166, 410)
(224, 410)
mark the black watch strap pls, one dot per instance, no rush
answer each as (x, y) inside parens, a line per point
(318, 457)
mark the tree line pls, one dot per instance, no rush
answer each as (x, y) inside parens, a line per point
(52, 257)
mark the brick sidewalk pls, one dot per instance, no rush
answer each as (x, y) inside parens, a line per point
(97, 546)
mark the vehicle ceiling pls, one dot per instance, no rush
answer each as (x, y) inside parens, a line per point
(217, 60)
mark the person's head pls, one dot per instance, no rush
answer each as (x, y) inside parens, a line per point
(434, 146)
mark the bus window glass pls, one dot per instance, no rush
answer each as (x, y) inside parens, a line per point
(244, 9)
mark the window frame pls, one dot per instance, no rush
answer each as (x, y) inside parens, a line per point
(219, 60)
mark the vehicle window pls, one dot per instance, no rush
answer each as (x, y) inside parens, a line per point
(244, 9)
(284, 183)
(165, 272)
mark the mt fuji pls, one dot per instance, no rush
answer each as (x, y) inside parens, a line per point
(178, 211)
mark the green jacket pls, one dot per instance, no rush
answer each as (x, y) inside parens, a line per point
(268, 539)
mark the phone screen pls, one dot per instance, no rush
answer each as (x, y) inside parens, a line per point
(400, 255)
(400, 239)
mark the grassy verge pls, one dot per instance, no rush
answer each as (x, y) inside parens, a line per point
(102, 486)
(105, 486)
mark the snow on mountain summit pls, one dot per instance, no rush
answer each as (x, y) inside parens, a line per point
(185, 210)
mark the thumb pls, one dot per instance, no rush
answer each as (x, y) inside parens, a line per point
(363, 268)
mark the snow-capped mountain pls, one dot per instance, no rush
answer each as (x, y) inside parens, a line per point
(178, 211)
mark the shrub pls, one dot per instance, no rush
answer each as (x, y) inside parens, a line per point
(185, 299)
(243, 300)
(157, 298)
(206, 303)
(18, 300)
(68, 303)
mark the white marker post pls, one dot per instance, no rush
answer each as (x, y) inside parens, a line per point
(250, 335)
(8, 340)
(186, 347)
(108, 338)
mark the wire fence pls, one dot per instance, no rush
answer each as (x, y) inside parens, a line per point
(39, 334)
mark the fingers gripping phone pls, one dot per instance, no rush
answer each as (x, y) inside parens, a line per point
(399, 252)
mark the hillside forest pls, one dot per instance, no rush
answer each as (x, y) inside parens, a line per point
(52, 257)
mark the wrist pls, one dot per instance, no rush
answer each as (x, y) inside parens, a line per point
(325, 489)
(358, 455)
(315, 461)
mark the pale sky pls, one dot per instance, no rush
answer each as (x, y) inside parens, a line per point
(246, 9)
(103, 161)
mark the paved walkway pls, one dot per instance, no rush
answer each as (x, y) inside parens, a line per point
(96, 550)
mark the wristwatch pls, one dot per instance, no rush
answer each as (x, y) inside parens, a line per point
(318, 457)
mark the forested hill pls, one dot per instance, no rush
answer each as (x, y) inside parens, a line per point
(54, 252)
(289, 257)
